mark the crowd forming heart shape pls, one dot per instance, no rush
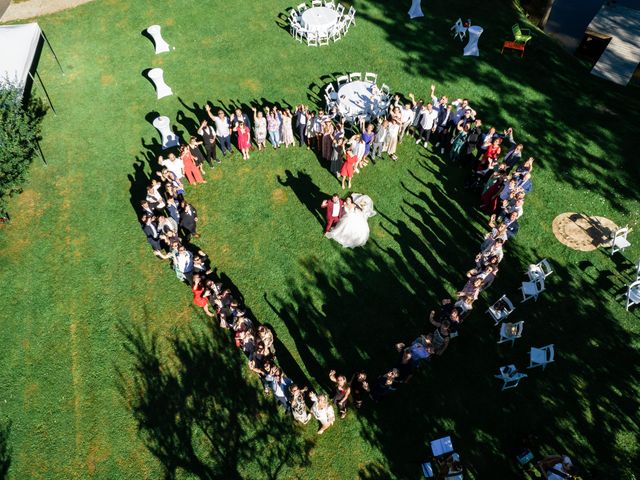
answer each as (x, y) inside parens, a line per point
(170, 222)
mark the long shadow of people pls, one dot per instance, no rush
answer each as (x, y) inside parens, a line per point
(202, 416)
(307, 192)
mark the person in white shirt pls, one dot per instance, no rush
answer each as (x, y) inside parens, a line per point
(428, 118)
(173, 164)
(407, 115)
(322, 411)
(223, 131)
(555, 467)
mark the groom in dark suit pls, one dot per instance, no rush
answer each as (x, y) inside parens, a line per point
(333, 211)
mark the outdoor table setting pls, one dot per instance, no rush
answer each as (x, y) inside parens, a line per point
(361, 98)
(319, 19)
(320, 22)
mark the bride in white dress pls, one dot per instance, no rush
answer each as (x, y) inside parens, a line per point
(353, 229)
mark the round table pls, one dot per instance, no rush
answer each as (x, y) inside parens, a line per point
(354, 99)
(319, 19)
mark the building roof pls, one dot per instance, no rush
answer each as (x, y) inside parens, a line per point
(622, 56)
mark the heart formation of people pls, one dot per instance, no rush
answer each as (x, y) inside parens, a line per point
(450, 129)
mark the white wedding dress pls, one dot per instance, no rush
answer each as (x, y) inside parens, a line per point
(353, 229)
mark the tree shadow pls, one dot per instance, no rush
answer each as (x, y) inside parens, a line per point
(198, 414)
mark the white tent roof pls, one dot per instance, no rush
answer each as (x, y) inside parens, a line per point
(18, 44)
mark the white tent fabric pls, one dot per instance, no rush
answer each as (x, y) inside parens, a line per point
(18, 44)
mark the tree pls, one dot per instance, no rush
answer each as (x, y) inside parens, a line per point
(20, 121)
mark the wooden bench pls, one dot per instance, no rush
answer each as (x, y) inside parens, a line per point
(513, 46)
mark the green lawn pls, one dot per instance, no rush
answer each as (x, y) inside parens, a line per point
(108, 371)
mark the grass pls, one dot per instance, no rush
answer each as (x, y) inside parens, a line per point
(106, 364)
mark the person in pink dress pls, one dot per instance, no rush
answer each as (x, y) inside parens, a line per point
(244, 139)
(346, 172)
(190, 170)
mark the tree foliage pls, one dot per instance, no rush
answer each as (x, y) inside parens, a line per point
(20, 121)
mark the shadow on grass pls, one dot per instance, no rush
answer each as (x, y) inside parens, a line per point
(198, 414)
(5, 448)
(569, 133)
(350, 317)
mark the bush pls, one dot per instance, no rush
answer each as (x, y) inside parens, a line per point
(19, 132)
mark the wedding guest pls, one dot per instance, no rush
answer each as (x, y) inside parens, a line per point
(342, 392)
(223, 130)
(337, 152)
(298, 405)
(154, 198)
(367, 138)
(188, 220)
(196, 153)
(286, 133)
(191, 171)
(173, 164)
(244, 139)
(260, 364)
(280, 387)
(359, 388)
(146, 209)
(327, 140)
(346, 172)
(428, 119)
(444, 123)
(440, 338)
(239, 116)
(259, 129)
(310, 134)
(380, 139)
(407, 115)
(151, 231)
(385, 384)
(167, 225)
(172, 209)
(182, 263)
(199, 299)
(357, 147)
(301, 124)
(322, 411)
(266, 337)
(208, 135)
(392, 139)
(273, 126)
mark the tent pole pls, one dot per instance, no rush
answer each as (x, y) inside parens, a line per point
(45, 91)
(51, 48)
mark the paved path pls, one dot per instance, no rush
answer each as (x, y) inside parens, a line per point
(36, 8)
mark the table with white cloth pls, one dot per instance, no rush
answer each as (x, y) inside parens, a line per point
(319, 19)
(359, 98)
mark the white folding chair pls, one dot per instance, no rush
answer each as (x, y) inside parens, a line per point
(330, 4)
(342, 79)
(301, 8)
(532, 289)
(501, 309)
(299, 33)
(633, 294)
(323, 38)
(330, 91)
(638, 270)
(385, 89)
(160, 44)
(349, 19)
(336, 31)
(340, 9)
(316, 3)
(355, 77)
(619, 240)
(539, 357)
(294, 15)
(510, 332)
(510, 376)
(459, 29)
(312, 39)
(352, 14)
(371, 77)
(542, 269)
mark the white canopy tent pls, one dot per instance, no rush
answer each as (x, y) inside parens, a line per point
(18, 47)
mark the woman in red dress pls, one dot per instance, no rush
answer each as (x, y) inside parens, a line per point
(190, 170)
(198, 295)
(244, 139)
(347, 167)
(493, 151)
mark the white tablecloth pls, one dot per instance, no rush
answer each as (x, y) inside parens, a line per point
(354, 99)
(319, 19)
